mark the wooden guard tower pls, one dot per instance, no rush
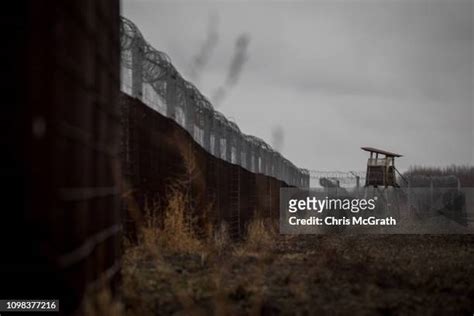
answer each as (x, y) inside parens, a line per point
(380, 170)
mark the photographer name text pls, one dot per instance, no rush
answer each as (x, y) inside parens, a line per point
(335, 212)
(334, 221)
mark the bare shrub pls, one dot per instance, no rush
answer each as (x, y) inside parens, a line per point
(260, 236)
(173, 226)
(170, 229)
(261, 232)
(221, 238)
(178, 233)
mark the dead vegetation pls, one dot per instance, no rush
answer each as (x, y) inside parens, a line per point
(259, 238)
(174, 267)
(178, 271)
(266, 273)
(177, 233)
(185, 265)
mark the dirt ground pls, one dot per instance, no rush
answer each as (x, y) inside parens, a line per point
(306, 275)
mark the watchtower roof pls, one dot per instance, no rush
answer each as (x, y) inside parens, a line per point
(380, 151)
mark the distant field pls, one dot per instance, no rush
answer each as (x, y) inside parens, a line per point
(368, 274)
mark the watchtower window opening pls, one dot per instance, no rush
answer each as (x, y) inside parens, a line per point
(380, 171)
(387, 161)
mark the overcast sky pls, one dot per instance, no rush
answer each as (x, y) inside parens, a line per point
(334, 76)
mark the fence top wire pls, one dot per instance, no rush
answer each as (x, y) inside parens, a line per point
(345, 178)
(158, 71)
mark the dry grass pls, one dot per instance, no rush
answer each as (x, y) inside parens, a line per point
(259, 237)
(174, 228)
(146, 264)
(175, 269)
(269, 274)
(168, 231)
(220, 238)
(155, 265)
(178, 233)
(181, 260)
(165, 233)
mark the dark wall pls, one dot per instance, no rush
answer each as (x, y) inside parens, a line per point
(60, 221)
(154, 157)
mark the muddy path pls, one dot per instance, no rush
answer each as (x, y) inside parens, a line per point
(305, 275)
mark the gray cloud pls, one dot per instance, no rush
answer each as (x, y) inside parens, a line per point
(336, 74)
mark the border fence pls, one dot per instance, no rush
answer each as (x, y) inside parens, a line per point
(158, 153)
(345, 179)
(67, 129)
(148, 75)
(61, 226)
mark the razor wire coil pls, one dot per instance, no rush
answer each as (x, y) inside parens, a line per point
(148, 74)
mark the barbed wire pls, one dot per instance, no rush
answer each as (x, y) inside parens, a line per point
(148, 75)
(343, 178)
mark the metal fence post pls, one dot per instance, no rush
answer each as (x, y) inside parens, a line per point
(238, 155)
(263, 164)
(228, 144)
(288, 173)
(216, 130)
(224, 140)
(243, 152)
(248, 155)
(259, 159)
(207, 130)
(292, 175)
(269, 159)
(137, 69)
(282, 170)
(253, 163)
(171, 97)
(276, 166)
(189, 114)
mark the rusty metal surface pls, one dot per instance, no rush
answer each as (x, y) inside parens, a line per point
(66, 221)
(153, 159)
